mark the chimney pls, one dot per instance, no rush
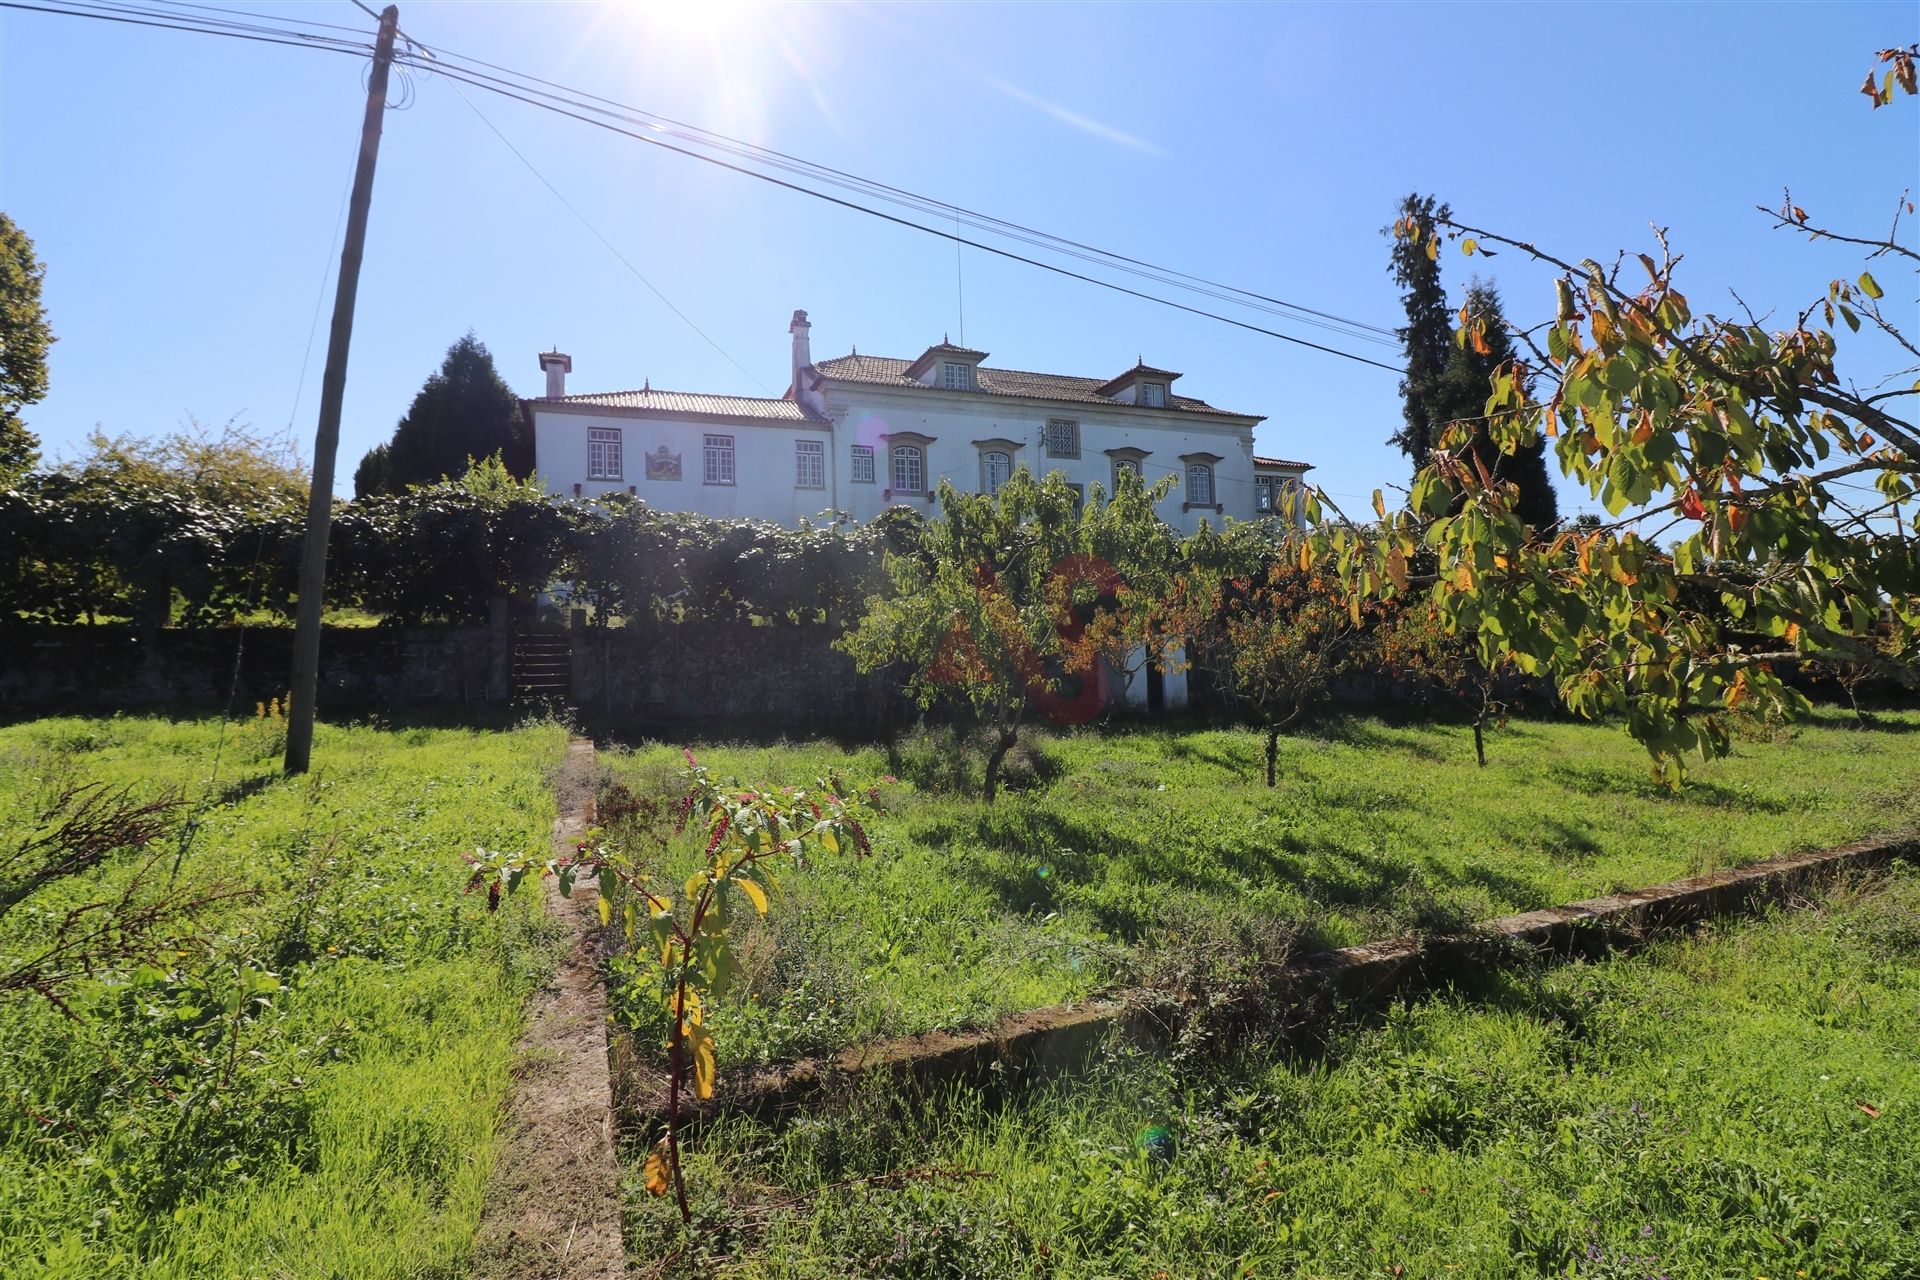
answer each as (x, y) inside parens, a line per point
(556, 366)
(802, 347)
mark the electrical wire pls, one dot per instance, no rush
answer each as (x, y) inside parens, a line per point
(925, 203)
(583, 111)
(134, 16)
(458, 74)
(568, 204)
(696, 136)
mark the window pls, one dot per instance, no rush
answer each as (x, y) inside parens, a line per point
(1153, 395)
(1079, 494)
(1063, 438)
(955, 376)
(1199, 484)
(1266, 491)
(809, 464)
(909, 469)
(719, 469)
(863, 464)
(1125, 464)
(995, 467)
(603, 453)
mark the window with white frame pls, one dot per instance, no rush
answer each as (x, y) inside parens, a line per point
(1199, 484)
(955, 376)
(1266, 492)
(909, 469)
(1063, 438)
(1154, 395)
(1125, 464)
(603, 453)
(809, 464)
(995, 467)
(719, 460)
(863, 464)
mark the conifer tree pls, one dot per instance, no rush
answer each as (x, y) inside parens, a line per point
(466, 410)
(1447, 380)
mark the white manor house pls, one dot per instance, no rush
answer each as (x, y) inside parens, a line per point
(859, 433)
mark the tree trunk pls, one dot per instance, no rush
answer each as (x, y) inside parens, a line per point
(1273, 751)
(1480, 740)
(1002, 745)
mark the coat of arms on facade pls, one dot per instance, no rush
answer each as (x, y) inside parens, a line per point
(662, 465)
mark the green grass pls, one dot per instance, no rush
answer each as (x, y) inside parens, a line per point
(1691, 1111)
(353, 1136)
(1128, 845)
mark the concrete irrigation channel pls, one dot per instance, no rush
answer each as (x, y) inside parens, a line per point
(1298, 1002)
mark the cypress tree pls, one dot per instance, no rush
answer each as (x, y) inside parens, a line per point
(466, 410)
(1447, 381)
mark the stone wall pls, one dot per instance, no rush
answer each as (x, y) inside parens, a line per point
(711, 676)
(108, 668)
(716, 675)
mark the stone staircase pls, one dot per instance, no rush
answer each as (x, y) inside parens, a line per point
(542, 670)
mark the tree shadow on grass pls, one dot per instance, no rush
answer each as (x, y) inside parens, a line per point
(1612, 783)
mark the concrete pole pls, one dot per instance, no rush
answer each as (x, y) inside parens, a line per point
(326, 438)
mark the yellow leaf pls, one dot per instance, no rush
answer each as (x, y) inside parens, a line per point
(1306, 556)
(1433, 249)
(1353, 609)
(755, 894)
(606, 910)
(1463, 576)
(1468, 245)
(658, 1174)
(1397, 568)
(828, 841)
(1870, 286)
(1379, 504)
(700, 1041)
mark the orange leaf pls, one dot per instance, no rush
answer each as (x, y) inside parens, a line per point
(658, 1175)
(1872, 1111)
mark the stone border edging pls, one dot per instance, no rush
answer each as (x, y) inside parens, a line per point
(1032, 1045)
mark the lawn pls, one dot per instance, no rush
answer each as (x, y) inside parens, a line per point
(342, 1125)
(1743, 1104)
(1126, 847)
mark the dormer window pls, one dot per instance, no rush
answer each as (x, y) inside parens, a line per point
(1153, 395)
(956, 375)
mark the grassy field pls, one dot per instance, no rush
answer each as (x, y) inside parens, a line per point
(1128, 848)
(1744, 1104)
(340, 1125)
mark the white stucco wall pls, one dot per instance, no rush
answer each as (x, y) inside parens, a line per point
(765, 467)
(868, 415)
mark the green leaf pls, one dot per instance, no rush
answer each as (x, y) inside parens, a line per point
(1870, 286)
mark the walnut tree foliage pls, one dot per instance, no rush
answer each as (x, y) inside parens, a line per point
(1761, 503)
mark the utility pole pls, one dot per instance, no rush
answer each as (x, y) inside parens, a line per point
(326, 438)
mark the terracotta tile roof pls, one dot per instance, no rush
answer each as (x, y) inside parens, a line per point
(1259, 461)
(688, 402)
(887, 371)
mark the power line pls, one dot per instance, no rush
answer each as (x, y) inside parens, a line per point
(460, 74)
(665, 301)
(698, 136)
(132, 16)
(561, 104)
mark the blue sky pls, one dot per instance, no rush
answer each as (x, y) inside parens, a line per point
(185, 191)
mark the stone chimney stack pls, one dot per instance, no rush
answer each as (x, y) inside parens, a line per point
(556, 366)
(802, 347)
